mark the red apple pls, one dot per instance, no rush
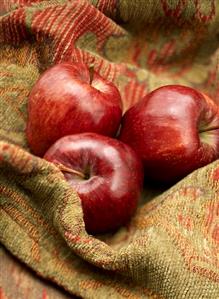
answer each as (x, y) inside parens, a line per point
(174, 129)
(68, 99)
(106, 173)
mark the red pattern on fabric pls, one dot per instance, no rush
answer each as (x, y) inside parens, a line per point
(173, 12)
(204, 17)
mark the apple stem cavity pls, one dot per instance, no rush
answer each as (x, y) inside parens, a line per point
(64, 168)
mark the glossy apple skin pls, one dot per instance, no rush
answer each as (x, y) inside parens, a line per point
(114, 180)
(174, 129)
(68, 100)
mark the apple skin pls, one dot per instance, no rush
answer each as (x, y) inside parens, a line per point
(113, 177)
(69, 99)
(175, 130)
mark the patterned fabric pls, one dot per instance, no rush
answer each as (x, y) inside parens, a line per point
(171, 247)
(18, 281)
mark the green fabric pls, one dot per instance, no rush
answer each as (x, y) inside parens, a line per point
(170, 248)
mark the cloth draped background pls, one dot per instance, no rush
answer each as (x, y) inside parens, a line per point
(170, 249)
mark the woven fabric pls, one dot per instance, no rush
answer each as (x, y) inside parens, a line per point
(19, 281)
(170, 248)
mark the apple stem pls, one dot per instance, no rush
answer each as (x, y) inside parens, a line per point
(91, 71)
(208, 129)
(70, 170)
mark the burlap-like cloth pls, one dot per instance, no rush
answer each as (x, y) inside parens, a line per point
(171, 247)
